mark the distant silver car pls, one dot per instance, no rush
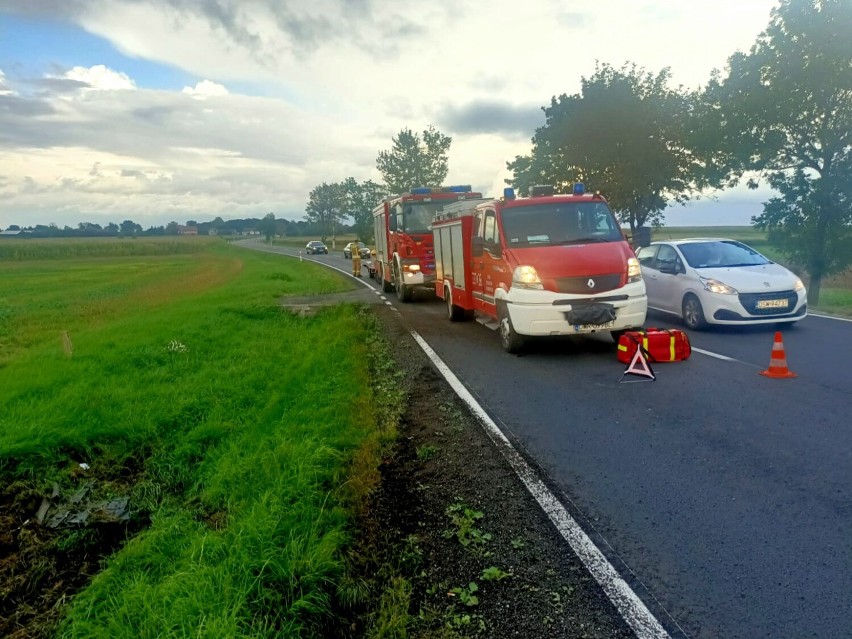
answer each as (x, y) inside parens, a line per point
(363, 250)
(720, 281)
(315, 247)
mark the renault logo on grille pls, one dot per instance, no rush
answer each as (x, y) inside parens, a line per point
(590, 283)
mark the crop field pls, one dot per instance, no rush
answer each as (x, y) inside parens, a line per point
(163, 376)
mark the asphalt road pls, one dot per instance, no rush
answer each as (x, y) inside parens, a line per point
(722, 496)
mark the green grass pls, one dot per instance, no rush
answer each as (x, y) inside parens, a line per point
(835, 301)
(185, 367)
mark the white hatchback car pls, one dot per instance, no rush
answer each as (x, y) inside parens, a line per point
(718, 281)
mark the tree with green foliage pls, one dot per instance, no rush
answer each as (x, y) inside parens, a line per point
(268, 226)
(625, 134)
(326, 208)
(361, 199)
(413, 161)
(784, 112)
(129, 228)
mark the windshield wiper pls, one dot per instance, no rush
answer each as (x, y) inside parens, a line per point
(583, 240)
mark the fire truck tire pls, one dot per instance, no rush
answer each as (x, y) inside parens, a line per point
(509, 339)
(403, 292)
(387, 287)
(616, 335)
(454, 312)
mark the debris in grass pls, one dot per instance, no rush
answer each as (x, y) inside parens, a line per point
(67, 346)
(79, 508)
(176, 347)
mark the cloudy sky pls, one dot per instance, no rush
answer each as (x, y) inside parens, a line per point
(172, 110)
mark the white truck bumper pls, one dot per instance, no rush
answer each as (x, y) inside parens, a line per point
(536, 313)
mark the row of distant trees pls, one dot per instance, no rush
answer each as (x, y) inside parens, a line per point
(783, 116)
(217, 226)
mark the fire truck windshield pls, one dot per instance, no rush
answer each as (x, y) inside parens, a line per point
(417, 216)
(560, 223)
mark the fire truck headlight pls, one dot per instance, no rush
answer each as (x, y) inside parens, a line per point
(634, 271)
(412, 267)
(526, 277)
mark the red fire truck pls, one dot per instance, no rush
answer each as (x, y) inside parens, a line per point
(405, 259)
(543, 265)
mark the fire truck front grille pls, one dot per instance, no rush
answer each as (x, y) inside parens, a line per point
(588, 284)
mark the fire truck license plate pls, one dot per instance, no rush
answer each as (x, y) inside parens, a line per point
(772, 303)
(593, 327)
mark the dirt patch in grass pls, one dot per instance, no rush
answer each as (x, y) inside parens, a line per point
(478, 556)
(42, 568)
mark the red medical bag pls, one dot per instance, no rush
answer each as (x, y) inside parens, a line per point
(661, 345)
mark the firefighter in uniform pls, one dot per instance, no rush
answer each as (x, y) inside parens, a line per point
(356, 260)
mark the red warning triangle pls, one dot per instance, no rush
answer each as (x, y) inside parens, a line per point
(639, 366)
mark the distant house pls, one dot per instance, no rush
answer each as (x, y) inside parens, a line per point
(187, 230)
(10, 233)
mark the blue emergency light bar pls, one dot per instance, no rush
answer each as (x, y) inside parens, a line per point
(579, 189)
(426, 190)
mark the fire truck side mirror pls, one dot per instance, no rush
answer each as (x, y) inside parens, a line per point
(392, 222)
(477, 246)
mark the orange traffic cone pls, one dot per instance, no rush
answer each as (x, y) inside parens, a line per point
(778, 361)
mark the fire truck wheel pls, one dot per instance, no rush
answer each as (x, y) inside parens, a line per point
(454, 312)
(387, 287)
(403, 292)
(509, 339)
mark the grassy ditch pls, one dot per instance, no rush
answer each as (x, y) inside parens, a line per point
(174, 379)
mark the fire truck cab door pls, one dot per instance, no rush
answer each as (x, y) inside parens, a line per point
(486, 267)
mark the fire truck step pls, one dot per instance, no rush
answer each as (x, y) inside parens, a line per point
(489, 322)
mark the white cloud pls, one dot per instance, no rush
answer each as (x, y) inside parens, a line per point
(100, 78)
(4, 88)
(205, 89)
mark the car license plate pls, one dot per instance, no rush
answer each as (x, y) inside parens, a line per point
(773, 303)
(593, 327)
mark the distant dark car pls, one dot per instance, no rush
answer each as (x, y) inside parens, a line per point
(315, 248)
(363, 251)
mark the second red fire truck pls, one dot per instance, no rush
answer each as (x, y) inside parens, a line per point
(543, 265)
(405, 258)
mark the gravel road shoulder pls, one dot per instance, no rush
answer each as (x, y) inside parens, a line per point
(482, 558)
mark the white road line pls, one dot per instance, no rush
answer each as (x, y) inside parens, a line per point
(716, 355)
(834, 317)
(628, 604)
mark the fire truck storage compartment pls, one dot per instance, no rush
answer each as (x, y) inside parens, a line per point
(449, 251)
